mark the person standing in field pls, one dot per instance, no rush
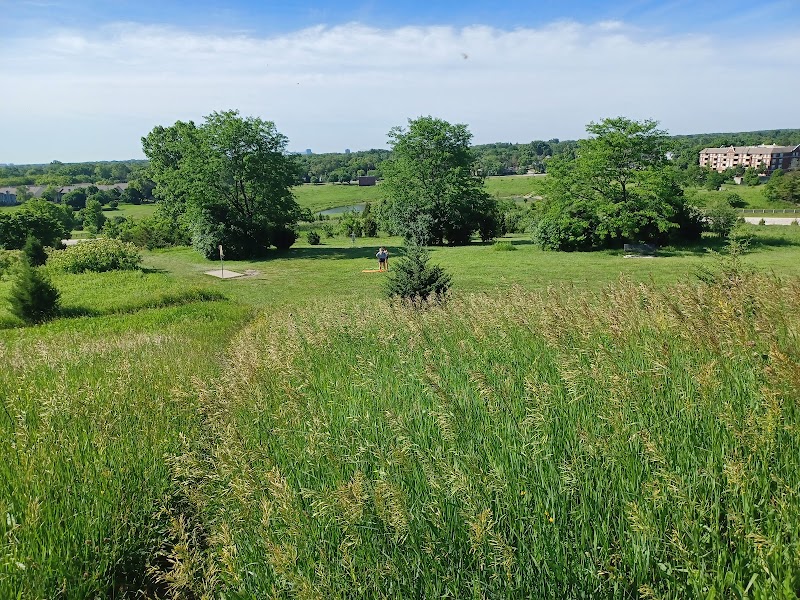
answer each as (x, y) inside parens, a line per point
(383, 259)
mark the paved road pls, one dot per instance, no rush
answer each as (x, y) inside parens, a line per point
(772, 220)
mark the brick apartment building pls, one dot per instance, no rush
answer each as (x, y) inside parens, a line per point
(768, 157)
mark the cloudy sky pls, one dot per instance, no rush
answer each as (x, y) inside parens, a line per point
(86, 79)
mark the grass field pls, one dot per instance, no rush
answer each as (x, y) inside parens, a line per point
(131, 211)
(330, 195)
(567, 426)
(753, 196)
(514, 186)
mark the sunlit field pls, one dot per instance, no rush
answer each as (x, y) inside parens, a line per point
(577, 425)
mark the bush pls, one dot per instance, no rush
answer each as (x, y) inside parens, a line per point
(158, 231)
(33, 298)
(328, 229)
(8, 260)
(350, 223)
(283, 237)
(735, 200)
(369, 226)
(96, 255)
(415, 280)
(761, 221)
(504, 246)
(313, 238)
(34, 251)
(721, 218)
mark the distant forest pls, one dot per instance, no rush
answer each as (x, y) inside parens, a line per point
(492, 159)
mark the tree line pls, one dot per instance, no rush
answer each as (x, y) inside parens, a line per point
(60, 174)
(502, 158)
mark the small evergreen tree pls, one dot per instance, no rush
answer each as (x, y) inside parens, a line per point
(33, 298)
(34, 251)
(414, 279)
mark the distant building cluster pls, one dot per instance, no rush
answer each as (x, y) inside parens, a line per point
(764, 157)
(8, 195)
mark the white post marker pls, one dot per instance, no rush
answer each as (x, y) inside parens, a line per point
(221, 261)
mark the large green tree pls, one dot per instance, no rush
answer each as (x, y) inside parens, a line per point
(435, 194)
(231, 178)
(618, 188)
(47, 222)
(783, 186)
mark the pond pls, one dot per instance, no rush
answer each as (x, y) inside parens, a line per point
(343, 209)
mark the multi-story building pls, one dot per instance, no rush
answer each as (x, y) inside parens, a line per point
(765, 158)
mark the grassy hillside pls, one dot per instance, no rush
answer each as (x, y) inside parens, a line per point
(568, 426)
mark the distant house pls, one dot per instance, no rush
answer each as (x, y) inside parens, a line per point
(8, 196)
(765, 158)
(367, 180)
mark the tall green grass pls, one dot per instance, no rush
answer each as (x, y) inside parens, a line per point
(636, 442)
(90, 408)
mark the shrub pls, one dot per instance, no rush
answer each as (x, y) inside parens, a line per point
(369, 226)
(158, 231)
(415, 280)
(33, 298)
(735, 200)
(721, 218)
(761, 221)
(328, 229)
(283, 237)
(350, 223)
(8, 260)
(504, 246)
(313, 238)
(96, 255)
(34, 251)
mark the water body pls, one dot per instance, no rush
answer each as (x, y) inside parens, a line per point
(343, 209)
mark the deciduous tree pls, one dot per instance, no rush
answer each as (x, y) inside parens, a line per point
(231, 177)
(434, 192)
(619, 188)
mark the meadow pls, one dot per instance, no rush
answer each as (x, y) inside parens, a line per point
(565, 426)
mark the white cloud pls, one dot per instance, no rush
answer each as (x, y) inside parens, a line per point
(334, 87)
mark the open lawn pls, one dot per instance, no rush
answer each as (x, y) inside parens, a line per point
(131, 211)
(753, 196)
(515, 186)
(317, 197)
(566, 426)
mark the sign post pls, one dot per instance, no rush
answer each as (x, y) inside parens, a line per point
(221, 261)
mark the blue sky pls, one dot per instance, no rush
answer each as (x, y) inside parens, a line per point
(84, 80)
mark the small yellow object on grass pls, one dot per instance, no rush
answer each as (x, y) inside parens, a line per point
(375, 271)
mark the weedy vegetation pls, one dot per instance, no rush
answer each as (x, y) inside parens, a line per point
(274, 437)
